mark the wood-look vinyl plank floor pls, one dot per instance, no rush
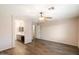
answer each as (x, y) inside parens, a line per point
(41, 47)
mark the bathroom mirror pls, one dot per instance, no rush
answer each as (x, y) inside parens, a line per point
(21, 29)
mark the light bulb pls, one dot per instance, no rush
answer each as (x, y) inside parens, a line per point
(41, 18)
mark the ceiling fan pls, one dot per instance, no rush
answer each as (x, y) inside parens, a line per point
(45, 18)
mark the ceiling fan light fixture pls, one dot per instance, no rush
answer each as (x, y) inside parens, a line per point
(41, 18)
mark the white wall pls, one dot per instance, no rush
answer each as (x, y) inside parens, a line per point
(5, 32)
(33, 30)
(62, 32)
(28, 31)
(37, 31)
(78, 32)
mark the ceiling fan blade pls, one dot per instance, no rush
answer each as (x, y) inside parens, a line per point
(48, 17)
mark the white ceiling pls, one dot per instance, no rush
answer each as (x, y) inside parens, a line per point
(61, 11)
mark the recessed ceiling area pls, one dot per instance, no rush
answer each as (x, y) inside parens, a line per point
(60, 11)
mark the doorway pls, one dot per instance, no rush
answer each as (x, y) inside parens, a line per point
(19, 30)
